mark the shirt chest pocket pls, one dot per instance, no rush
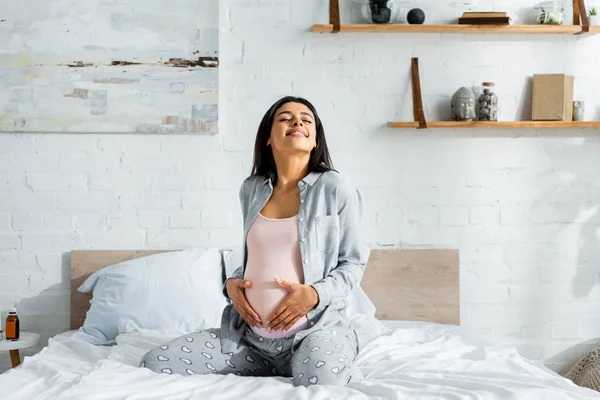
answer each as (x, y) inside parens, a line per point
(327, 229)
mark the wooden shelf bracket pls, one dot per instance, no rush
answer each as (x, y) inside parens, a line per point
(418, 113)
(580, 16)
(334, 15)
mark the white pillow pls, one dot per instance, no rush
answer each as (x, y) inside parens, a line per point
(178, 290)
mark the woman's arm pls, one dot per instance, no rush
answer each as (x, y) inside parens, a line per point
(238, 273)
(353, 255)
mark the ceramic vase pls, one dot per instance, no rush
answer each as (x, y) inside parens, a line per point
(380, 11)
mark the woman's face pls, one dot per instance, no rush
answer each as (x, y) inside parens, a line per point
(293, 129)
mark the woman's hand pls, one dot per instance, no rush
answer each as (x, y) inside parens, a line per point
(300, 299)
(236, 290)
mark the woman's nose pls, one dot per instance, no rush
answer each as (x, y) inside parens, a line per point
(297, 122)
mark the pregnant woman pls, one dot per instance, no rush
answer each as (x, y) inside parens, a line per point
(302, 258)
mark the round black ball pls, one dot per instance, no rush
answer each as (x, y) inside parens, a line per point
(415, 16)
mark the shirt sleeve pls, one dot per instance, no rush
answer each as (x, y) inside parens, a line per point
(239, 271)
(339, 283)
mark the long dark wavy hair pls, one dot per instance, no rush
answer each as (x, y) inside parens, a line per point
(264, 163)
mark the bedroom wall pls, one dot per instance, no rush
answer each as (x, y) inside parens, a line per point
(522, 207)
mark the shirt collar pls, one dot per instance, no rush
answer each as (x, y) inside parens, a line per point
(309, 179)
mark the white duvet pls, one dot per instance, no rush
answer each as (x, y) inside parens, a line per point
(410, 361)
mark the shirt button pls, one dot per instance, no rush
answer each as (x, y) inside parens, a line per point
(305, 261)
(301, 183)
(301, 219)
(302, 239)
(312, 323)
(301, 200)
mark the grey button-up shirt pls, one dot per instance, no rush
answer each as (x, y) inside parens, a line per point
(333, 257)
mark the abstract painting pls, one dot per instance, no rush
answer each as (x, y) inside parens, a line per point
(109, 66)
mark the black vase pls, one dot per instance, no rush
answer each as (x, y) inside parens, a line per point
(380, 12)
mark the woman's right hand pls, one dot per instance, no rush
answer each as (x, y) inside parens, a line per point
(236, 290)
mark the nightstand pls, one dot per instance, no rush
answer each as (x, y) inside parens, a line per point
(26, 339)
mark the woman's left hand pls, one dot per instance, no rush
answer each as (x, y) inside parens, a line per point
(300, 299)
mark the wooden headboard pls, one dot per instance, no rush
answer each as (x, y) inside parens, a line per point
(414, 285)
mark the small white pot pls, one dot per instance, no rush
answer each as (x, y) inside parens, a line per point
(594, 20)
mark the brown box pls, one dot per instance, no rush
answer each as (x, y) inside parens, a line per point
(552, 97)
(484, 18)
(484, 21)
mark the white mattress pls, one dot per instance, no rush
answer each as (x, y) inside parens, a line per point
(409, 361)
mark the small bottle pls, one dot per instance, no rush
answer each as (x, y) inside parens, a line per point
(12, 325)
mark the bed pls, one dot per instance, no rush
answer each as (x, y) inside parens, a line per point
(419, 350)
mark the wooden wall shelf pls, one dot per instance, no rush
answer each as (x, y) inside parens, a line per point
(499, 124)
(455, 28)
(581, 24)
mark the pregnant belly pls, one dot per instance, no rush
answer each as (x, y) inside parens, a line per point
(264, 298)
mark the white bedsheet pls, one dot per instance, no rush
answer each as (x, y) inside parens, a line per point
(410, 361)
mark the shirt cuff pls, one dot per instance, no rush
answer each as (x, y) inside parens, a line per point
(225, 289)
(324, 295)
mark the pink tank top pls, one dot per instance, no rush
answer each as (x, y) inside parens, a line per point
(273, 250)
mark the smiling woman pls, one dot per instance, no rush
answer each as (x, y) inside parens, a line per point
(302, 260)
(290, 130)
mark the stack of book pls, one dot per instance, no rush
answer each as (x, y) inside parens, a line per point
(484, 18)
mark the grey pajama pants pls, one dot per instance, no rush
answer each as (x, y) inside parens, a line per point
(323, 357)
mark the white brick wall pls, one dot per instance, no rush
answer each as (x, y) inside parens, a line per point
(522, 207)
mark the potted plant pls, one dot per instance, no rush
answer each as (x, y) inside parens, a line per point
(593, 16)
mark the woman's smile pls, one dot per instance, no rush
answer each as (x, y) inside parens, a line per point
(297, 133)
